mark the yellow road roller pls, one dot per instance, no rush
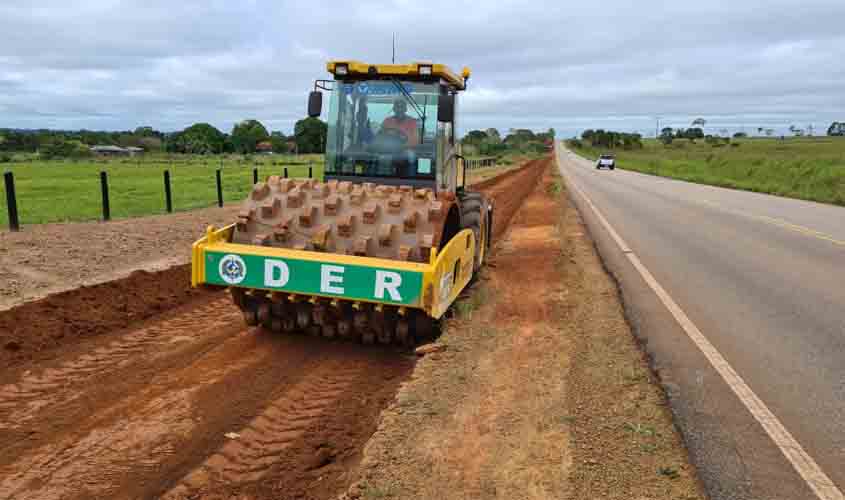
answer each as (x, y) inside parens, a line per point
(381, 247)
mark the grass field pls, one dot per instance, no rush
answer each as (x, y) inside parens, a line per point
(49, 191)
(810, 168)
(62, 191)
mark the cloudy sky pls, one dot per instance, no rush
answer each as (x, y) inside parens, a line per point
(108, 64)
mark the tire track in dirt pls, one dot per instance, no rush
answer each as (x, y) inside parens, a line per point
(25, 400)
(259, 444)
(140, 406)
(132, 437)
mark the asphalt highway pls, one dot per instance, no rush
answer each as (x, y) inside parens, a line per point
(763, 279)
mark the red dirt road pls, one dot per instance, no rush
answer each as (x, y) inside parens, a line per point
(143, 389)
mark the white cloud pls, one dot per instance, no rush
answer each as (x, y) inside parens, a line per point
(118, 64)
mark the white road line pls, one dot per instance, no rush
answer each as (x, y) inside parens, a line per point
(803, 463)
(806, 231)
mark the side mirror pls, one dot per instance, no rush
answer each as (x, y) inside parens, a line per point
(315, 104)
(446, 108)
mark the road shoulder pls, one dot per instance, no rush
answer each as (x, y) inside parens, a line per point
(539, 389)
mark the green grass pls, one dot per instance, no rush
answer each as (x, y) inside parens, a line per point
(49, 191)
(63, 191)
(809, 168)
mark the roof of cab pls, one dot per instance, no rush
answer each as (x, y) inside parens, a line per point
(402, 70)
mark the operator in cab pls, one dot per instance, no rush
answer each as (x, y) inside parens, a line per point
(402, 123)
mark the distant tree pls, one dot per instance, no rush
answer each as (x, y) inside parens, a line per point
(16, 140)
(474, 137)
(279, 142)
(199, 138)
(65, 149)
(147, 131)
(724, 132)
(519, 136)
(493, 135)
(150, 143)
(836, 129)
(740, 135)
(574, 143)
(698, 122)
(610, 139)
(247, 134)
(760, 130)
(666, 135)
(797, 132)
(126, 140)
(632, 141)
(695, 133)
(770, 132)
(310, 135)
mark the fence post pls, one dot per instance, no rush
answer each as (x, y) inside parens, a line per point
(286, 172)
(219, 190)
(167, 195)
(104, 189)
(255, 175)
(310, 172)
(12, 201)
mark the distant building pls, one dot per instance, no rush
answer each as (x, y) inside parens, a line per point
(265, 147)
(116, 151)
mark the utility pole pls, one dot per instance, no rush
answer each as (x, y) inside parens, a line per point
(657, 127)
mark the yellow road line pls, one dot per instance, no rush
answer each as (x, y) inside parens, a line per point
(801, 461)
(777, 222)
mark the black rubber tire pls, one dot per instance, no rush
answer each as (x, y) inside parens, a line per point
(473, 205)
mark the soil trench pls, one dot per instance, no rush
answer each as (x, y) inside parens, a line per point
(143, 388)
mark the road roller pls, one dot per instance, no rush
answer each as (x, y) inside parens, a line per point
(379, 248)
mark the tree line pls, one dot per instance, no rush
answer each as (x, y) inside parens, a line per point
(611, 140)
(200, 138)
(490, 143)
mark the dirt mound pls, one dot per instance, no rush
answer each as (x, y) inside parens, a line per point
(508, 192)
(91, 310)
(88, 311)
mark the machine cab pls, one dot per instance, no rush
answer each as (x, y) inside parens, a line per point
(391, 124)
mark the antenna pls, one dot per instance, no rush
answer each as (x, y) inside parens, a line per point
(394, 48)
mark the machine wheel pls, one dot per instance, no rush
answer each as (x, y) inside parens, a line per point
(473, 216)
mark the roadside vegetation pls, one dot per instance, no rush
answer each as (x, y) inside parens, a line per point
(809, 168)
(522, 142)
(69, 190)
(246, 137)
(57, 173)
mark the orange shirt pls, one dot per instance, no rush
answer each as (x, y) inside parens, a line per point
(407, 126)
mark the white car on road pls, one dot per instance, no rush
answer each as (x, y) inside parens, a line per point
(606, 161)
